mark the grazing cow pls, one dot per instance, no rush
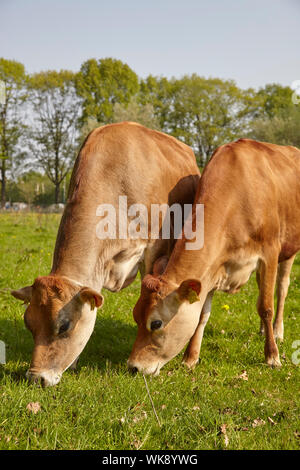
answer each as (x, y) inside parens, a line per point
(251, 196)
(126, 159)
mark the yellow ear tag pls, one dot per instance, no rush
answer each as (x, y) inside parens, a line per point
(192, 296)
(93, 303)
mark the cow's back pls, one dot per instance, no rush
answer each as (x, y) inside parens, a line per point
(124, 159)
(255, 186)
(130, 157)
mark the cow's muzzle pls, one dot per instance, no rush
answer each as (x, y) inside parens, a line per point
(135, 367)
(46, 378)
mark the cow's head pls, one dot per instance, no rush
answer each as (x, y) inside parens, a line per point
(167, 316)
(61, 315)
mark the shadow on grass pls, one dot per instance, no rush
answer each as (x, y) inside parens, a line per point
(16, 376)
(111, 342)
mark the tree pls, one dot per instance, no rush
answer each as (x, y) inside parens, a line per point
(276, 100)
(135, 111)
(13, 75)
(279, 118)
(282, 130)
(31, 185)
(158, 92)
(103, 83)
(89, 125)
(206, 113)
(54, 129)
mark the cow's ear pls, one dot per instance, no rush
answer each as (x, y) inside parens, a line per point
(189, 290)
(151, 283)
(25, 294)
(160, 265)
(90, 295)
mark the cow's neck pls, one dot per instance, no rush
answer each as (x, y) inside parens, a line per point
(80, 255)
(76, 254)
(200, 264)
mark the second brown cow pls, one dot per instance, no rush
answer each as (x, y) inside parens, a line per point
(251, 196)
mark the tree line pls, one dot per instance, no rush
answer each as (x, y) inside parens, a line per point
(45, 116)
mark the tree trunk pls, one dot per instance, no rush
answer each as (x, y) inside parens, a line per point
(57, 187)
(3, 184)
(57, 184)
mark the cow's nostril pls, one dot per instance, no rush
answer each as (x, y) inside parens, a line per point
(133, 370)
(32, 378)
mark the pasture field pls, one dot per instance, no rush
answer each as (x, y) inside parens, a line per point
(231, 400)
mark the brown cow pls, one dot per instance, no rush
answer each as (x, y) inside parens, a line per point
(126, 159)
(251, 196)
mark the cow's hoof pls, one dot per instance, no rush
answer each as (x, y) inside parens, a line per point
(273, 362)
(278, 335)
(278, 338)
(190, 362)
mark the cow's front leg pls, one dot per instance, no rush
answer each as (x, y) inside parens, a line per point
(191, 355)
(261, 329)
(265, 306)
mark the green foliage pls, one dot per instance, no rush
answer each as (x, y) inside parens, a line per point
(32, 184)
(136, 112)
(45, 198)
(282, 130)
(54, 130)
(52, 80)
(89, 125)
(157, 91)
(207, 113)
(48, 115)
(14, 192)
(13, 75)
(102, 406)
(35, 188)
(103, 83)
(279, 117)
(276, 100)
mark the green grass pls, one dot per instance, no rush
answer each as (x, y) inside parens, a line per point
(101, 406)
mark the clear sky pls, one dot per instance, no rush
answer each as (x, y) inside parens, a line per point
(251, 41)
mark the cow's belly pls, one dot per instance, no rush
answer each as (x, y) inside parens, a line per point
(237, 273)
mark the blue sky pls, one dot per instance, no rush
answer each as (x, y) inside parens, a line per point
(253, 42)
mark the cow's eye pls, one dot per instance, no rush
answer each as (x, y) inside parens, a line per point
(64, 327)
(156, 324)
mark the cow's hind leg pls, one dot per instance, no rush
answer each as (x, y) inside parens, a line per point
(261, 329)
(283, 282)
(265, 305)
(191, 355)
